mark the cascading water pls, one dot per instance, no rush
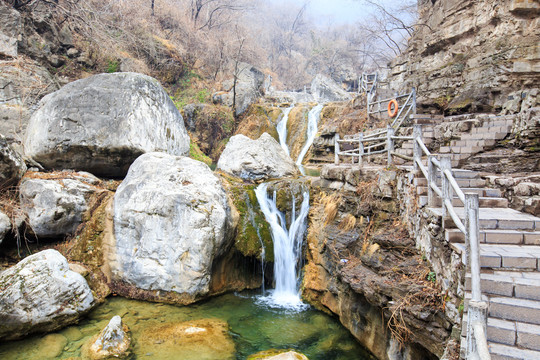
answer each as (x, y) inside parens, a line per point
(282, 129)
(287, 248)
(313, 121)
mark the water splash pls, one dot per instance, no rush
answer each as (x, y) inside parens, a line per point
(282, 129)
(287, 249)
(313, 121)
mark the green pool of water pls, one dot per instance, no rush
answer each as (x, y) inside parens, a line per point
(253, 328)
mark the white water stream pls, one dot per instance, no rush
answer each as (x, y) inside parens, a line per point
(313, 121)
(287, 248)
(282, 129)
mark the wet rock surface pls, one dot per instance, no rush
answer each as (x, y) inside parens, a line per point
(112, 342)
(41, 294)
(101, 124)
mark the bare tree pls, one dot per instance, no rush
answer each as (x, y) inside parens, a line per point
(389, 28)
(207, 14)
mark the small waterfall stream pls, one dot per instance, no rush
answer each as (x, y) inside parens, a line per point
(282, 129)
(287, 248)
(313, 121)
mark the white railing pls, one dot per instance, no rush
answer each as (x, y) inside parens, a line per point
(376, 142)
(368, 83)
(383, 142)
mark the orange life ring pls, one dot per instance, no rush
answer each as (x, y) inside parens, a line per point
(390, 112)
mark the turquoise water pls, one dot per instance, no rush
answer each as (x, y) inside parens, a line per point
(252, 328)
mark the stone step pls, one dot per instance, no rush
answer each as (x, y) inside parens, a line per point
(514, 237)
(515, 257)
(482, 192)
(490, 202)
(521, 310)
(495, 218)
(505, 352)
(485, 136)
(498, 331)
(492, 128)
(483, 143)
(511, 284)
(463, 183)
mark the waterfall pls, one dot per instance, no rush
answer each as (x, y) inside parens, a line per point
(313, 121)
(282, 129)
(287, 248)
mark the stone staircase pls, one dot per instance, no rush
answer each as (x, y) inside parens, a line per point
(480, 138)
(483, 131)
(510, 263)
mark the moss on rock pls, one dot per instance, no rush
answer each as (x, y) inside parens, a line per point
(252, 227)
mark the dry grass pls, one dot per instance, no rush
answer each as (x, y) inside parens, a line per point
(347, 223)
(11, 206)
(331, 207)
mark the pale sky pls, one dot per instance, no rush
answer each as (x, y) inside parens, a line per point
(330, 11)
(334, 11)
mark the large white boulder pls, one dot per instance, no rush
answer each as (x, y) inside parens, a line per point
(55, 206)
(172, 219)
(101, 124)
(257, 159)
(41, 294)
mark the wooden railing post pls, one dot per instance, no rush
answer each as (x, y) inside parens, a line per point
(417, 150)
(390, 144)
(446, 163)
(361, 150)
(336, 149)
(432, 176)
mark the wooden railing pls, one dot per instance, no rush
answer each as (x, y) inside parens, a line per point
(383, 142)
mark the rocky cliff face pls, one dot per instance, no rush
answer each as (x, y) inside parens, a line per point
(471, 55)
(362, 266)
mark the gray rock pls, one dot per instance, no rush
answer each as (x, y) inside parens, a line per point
(54, 207)
(5, 225)
(12, 166)
(113, 341)
(73, 53)
(256, 159)
(41, 294)
(172, 218)
(10, 29)
(101, 124)
(249, 87)
(325, 89)
(21, 88)
(190, 115)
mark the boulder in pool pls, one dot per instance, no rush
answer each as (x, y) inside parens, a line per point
(172, 222)
(41, 294)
